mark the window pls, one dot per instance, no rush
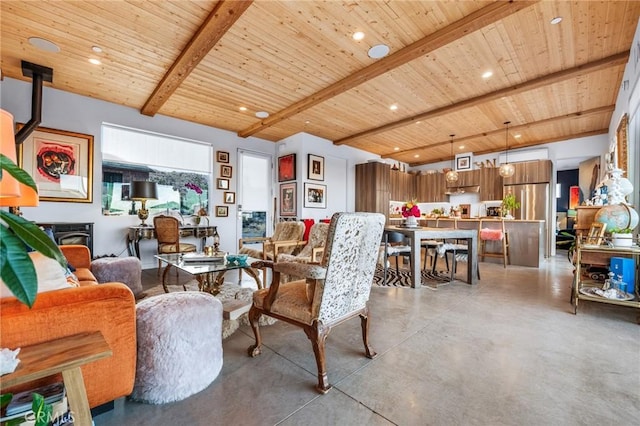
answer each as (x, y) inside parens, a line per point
(180, 167)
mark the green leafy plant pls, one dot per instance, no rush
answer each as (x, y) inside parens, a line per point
(42, 412)
(509, 203)
(621, 231)
(16, 235)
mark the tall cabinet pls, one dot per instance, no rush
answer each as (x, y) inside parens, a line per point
(372, 188)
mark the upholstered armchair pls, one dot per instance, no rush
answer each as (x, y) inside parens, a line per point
(331, 292)
(286, 239)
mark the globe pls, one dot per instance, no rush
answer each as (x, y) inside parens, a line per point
(617, 216)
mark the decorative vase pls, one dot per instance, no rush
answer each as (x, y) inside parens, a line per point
(411, 222)
(196, 220)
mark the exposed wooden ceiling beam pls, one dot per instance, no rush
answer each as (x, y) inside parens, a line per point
(528, 144)
(579, 114)
(614, 60)
(221, 18)
(487, 15)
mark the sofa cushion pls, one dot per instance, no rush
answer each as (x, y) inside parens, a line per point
(51, 276)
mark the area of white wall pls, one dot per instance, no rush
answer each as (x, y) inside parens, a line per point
(71, 112)
(339, 177)
(628, 102)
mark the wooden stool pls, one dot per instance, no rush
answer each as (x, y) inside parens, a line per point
(493, 234)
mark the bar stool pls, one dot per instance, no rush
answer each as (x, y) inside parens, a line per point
(493, 234)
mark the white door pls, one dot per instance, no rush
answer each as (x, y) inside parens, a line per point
(255, 194)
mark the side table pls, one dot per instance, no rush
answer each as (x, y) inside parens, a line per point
(64, 355)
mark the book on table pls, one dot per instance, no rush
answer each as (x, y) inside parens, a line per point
(19, 410)
(199, 258)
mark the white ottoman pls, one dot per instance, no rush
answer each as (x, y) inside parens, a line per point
(179, 346)
(127, 270)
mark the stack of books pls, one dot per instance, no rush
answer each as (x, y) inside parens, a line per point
(19, 410)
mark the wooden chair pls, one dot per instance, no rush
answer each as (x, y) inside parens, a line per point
(311, 253)
(332, 292)
(493, 230)
(167, 229)
(287, 239)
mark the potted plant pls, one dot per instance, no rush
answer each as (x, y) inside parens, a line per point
(622, 237)
(17, 271)
(509, 203)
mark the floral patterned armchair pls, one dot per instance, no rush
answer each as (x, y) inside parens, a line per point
(331, 292)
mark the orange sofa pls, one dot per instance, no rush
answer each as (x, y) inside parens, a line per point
(108, 308)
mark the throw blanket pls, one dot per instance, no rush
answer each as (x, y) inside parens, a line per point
(442, 249)
(491, 234)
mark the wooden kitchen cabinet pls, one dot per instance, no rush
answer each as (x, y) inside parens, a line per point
(490, 184)
(468, 178)
(402, 186)
(372, 188)
(431, 188)
(530, 172)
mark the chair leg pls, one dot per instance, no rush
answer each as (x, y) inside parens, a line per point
(397, 269)
(254, 318)
(364, 322)
(318, 333)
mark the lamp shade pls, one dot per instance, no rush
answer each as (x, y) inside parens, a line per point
(9, 187)
(143, 190)
(27, 198)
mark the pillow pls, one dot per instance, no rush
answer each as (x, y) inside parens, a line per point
(51, 276)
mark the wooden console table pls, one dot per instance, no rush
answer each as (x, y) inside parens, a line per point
(137, 233)
(64, 355)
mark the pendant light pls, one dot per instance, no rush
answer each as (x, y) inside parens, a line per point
(452, 175)
(506, 170)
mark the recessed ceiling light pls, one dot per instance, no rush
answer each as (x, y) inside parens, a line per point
(262, 114)
(416, 156)
(358, 35)
(556, 20)
(517, 136)
(242, 108)
(44, 44)
(95, 61)
(393, 107)
(418, 122)
(396, 149)
(307, 121)
(487, 74)
(97, 49)
(461, 147)
(378, 51)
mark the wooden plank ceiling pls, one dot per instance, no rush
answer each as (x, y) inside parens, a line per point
(202, 61)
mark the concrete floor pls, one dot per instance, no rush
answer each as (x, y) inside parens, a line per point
(508, 351)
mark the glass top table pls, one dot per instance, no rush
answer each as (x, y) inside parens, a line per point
(209, 273)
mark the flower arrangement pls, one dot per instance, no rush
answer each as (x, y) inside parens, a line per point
(410, 208)
(195, 188)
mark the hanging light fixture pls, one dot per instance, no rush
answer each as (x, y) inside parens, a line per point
(506, 170)
(451, 175)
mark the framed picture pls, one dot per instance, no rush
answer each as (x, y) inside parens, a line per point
(288, 199)
(287, 168)
(229, 197)
(61, 164)
(596, 233)
(222, 183)
(225, 171)
(222, 211)
(222, 157)
(463, 162)
(315, 167)
(621, 145)
(315, 195)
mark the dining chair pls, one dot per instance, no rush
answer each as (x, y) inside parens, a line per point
(394, 245)
(167, 229)
(332, 292)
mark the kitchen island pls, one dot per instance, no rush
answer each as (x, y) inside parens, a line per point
(526, 237)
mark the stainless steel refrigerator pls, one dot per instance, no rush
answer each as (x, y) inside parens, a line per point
(534, 205)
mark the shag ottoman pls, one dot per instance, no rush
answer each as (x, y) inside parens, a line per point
(127, 270)
(179, 346)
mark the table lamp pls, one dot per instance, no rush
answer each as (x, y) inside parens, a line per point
(143, 191)
(13, 194)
